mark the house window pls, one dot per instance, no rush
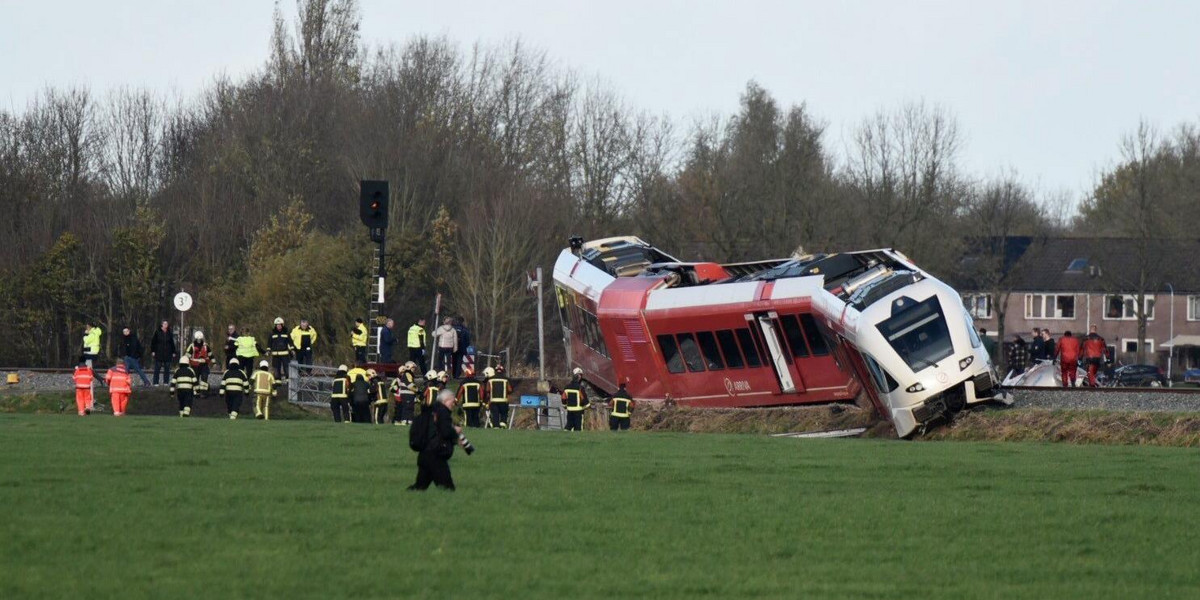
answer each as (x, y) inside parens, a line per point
(1130, 345)
(1049, 306)
(1193, 310)
(1123, 307)
(979, 305)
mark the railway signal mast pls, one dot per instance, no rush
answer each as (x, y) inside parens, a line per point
(373, 211)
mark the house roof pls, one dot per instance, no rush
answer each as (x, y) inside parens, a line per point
(1096, 265)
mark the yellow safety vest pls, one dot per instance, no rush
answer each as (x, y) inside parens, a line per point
(91, 340)
(247, 347)
(498, 390)
(416, 337)
(339, 389)
(622, 407)
(264, 382)
(470, 394)
(574, 399)
(359, 337)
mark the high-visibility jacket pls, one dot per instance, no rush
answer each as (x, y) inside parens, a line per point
(430, 396)
(304, 339)
(380, 385)
(416, 336)
(84, 376)
(91, 340)
(1068, 349)
(404, 385)
(233, 382)
(358, 337)
(183, 379)
(341, 387)
(355, 374)
(1093, 346)
(574, 397)
(264, 382)
(198, 354)
(280, 343)
(622, 405)
(247, 347)
(497, 389)
(470, 394)
(118, 381)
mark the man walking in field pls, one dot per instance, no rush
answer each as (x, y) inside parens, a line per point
(84, 377)
(183, 385)
(439, 438)
(233, 388)
(264, 390)
(120, 386)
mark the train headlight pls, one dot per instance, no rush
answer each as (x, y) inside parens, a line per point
(966, 362)
(914, 388)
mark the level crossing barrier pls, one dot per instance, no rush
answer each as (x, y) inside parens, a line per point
(310, 385)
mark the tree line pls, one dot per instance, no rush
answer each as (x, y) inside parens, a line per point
(246, 194)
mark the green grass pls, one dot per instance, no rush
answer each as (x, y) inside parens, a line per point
(167, 508)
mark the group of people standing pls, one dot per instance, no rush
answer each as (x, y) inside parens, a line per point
(362, 395)
(1069, 351)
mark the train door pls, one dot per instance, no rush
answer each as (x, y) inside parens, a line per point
(768, 330)
(813, 353)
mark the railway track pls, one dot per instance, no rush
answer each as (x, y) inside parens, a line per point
(1108, 390)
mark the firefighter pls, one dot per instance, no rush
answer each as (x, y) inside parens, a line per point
(247, 349)
(576, 400)
(360, 395)
(84, 377)
(379, 396)
(233, 388)
(430, 392)
(183, 385)
(404, 391)
(339, 398)
(1094, 349)
(264, 389)
(470, 397)
(416, 344)
(280, 347)
(496, 389)
(358, 340)
(120, 386)
(622, 410)
(304, 338)
(200, 359)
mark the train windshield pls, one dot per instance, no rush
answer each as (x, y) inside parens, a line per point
(919, 334)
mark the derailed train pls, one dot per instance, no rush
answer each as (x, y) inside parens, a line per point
(815, 329)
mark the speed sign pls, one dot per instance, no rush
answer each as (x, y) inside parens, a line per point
(183, 301)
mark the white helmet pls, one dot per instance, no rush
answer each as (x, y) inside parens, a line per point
(183, 360)
(410, 365)
(279, 320)
(199, 335)
(264, 364)
(489, 372)
(431, 375)
(577, 371)
(343, 368)
(443, 375)
(233, 361)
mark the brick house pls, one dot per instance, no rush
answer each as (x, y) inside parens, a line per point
(1070, 284)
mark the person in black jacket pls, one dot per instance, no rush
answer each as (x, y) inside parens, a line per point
(279, 344)
(433, 463)
(131, 349)
(164, 353)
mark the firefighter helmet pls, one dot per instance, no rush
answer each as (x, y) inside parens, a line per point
(489, 372)
(431, 375)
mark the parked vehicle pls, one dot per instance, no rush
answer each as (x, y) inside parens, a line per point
(1138, 376)
(1191, 376)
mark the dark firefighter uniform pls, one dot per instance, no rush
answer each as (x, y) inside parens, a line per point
(339, 397)
(404, 390)
(233, 388)
(496, 390)
(360, 395)
(280, 347)
(576, 401)
(183, 385)
(429, 394)
(470, 397)
(622, 410)
(379, 399)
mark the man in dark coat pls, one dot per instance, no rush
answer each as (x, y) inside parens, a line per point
(433, 462)
(164, 352)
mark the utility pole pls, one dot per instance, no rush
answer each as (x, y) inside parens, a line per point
(541, 330)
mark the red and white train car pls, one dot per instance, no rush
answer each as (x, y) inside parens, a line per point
(780, 332)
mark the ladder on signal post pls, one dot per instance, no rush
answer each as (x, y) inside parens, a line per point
(375, 317)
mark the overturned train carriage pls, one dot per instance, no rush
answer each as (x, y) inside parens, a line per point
(814, 329)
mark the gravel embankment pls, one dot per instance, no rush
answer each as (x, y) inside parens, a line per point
(33, 381)
(1110, 401)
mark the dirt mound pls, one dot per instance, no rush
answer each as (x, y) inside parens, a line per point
(157, 402)
(660, 417)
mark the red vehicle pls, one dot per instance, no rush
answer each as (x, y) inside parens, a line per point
(657, 326)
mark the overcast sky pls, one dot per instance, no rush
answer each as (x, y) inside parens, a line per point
(1043, 88)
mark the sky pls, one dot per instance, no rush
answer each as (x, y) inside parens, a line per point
(1044, 89)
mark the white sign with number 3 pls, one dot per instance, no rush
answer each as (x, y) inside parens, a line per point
(183, 301)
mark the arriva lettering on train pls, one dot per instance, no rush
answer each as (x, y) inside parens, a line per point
(735, 387)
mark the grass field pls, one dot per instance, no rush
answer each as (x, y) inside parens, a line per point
(165, 508)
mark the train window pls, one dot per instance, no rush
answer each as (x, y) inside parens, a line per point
(749, 348)
(708, 347)
(690, 352)
(883, 380)
(759, 345)
(733, 356)
(791, 330)
(816, 339)
(670, 352)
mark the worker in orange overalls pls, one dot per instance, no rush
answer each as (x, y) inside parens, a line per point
(84, 377)
(119, 387)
